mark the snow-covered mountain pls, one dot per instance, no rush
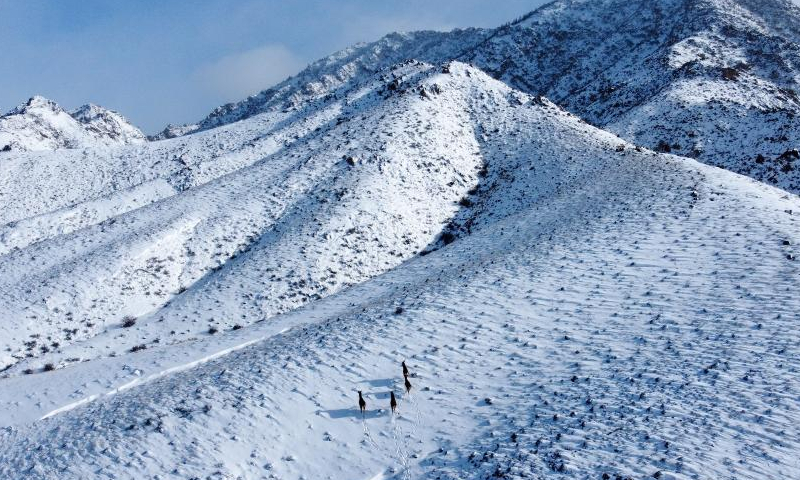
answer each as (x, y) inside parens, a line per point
(570, 303)
(715, 80)
(41, 124)
(107, 125)
(330, 210)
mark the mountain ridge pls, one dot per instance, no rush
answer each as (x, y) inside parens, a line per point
(660, 73)
(675, 47)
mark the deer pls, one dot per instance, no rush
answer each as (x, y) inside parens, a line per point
(362, 405)
(392, 402)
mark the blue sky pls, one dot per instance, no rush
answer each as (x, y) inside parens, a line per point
(173, 61)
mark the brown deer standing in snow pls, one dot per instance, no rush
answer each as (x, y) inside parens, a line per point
(362, 405)
(393, 402)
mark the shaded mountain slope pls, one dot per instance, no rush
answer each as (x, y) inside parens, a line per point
(715, 80)
(325, 76)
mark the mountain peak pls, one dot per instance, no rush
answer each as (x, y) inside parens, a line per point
(42, 124)
(89, 110)
(36, 102)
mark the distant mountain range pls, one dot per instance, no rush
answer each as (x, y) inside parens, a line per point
(41, 124)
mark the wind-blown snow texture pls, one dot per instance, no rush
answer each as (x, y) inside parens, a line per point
(569, 304)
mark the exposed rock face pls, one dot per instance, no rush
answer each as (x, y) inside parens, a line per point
(716, 80)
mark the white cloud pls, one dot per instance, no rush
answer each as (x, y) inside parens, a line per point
(236, 76)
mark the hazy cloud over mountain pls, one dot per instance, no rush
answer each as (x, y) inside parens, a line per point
(235, 76)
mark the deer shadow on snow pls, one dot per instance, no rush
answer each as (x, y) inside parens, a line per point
(340, 413)
(381, 383)
(377, 403)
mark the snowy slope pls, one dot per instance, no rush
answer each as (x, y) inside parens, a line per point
(47, 194)
(571, 301)
(337, 206)
(624, 312)
(41, 124)
(332, 209)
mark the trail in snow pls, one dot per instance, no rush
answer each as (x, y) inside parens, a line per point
(139, 381)
(400, 447)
